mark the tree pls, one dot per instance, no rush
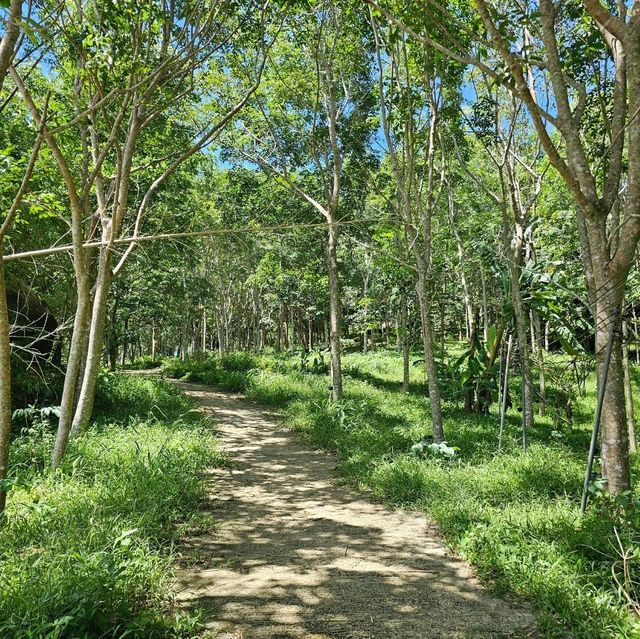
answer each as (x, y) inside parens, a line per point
(412, 132)
(310, 120)
(9, 45)
(156, 61)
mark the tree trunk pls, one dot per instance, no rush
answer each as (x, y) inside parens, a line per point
(628, 389)
(485, 309)
(466, 295)
(5, 385)
(112, 347)
(429, 357)
(470, 403)
(614, 438)
(154, 342)
(335, 312)
(538, 350)
(125, 343)
(67, 403)
(292, 329)
(515, 267)
(523, 355)
(280, 329)
(84, 351)
(404, 337)
(96, 341)
(203, 332)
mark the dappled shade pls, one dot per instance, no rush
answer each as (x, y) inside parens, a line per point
(295, 554)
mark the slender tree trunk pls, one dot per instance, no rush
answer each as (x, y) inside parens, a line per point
(470, 400)
(84, 351)
(443, 329)
(466, 295)
(220, 336)
(404, 332)
(113, 339)
(525, 361)
(538, 351)
(365, 294)
(546, 336)
(628, 394)
(96, 341)
(515, 267)
(335, 311)
(280, 328)
(67, 403)
(429, 357)
(292, 330)
(154, 342)
(5, 384)
(203, 332)
(386, 328)
(485, 309)
(125, 342)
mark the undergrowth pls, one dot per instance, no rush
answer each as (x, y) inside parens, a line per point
(514, 515)
(230, 371)
(86, 551)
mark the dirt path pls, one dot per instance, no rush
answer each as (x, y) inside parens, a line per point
(295, 554)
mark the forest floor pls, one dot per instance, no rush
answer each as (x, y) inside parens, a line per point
(294, 553)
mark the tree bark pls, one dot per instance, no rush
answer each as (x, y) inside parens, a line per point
(515, 268)
(67, 403)
(429, 357)
(614, 437)
(538, 349)
(96, 340)
(5, 385)
(404, 333)
(10, 38)
(154, 341)
(628, 388)
(335, 312)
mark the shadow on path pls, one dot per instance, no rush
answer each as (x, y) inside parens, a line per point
(295, 554)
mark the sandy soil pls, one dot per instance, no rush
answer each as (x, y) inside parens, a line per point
(294, 553)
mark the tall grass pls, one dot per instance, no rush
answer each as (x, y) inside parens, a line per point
(85, 551)
(514, 515)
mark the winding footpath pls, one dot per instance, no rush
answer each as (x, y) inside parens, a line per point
(295, 554)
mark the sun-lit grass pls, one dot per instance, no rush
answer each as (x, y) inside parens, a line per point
(515, 515)
(86, 551)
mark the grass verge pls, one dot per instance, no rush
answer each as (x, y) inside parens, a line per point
(86, 551)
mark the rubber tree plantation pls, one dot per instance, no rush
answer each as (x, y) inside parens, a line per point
(411, 228)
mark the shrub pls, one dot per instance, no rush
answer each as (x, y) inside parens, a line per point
(144, 362)
(229, 372)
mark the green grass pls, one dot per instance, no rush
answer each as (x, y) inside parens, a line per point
(86, 551)
(514, 515)
(129, 397)
(229, 372)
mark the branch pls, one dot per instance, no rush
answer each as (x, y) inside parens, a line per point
(53, 250)
(10, 38)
